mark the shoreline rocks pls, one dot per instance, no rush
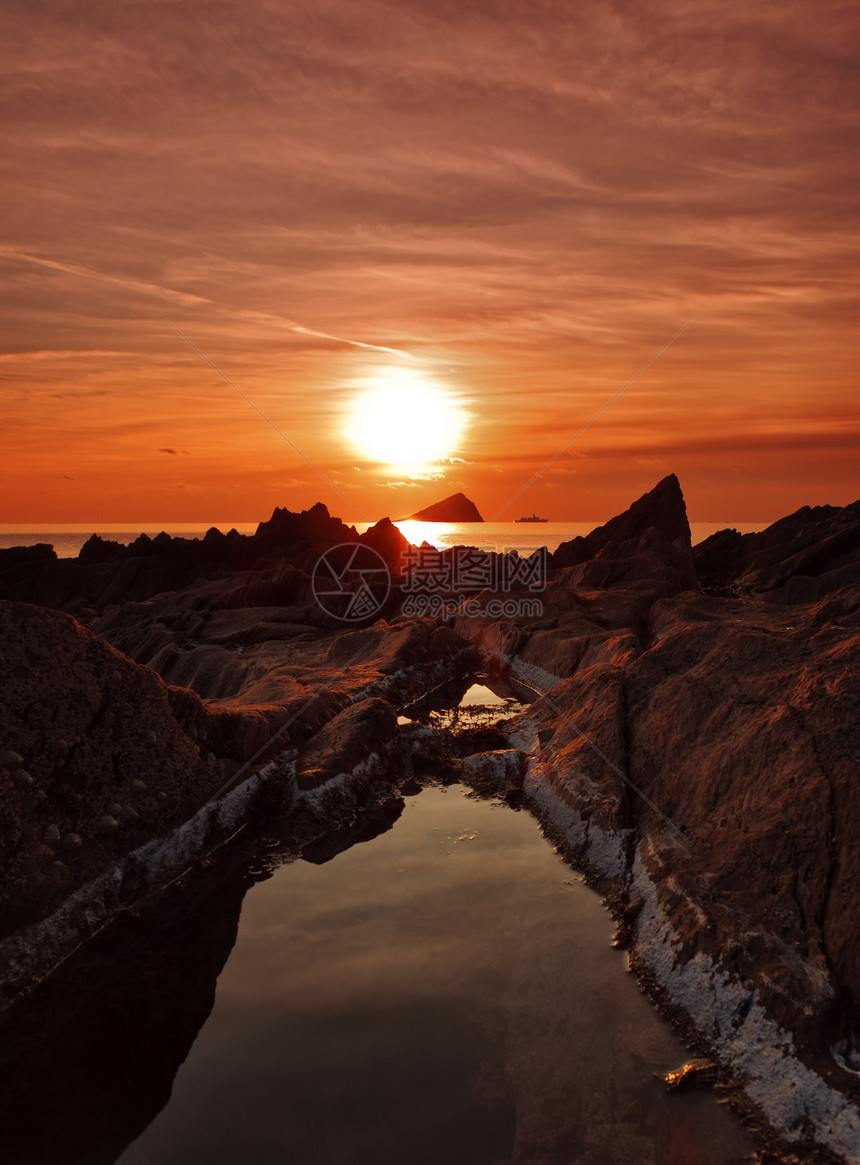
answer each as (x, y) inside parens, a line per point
(694, 740)
(698, 753)
(109, 765)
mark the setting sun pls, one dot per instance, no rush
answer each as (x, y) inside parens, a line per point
(406, 421)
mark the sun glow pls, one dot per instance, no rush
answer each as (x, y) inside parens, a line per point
(405, 421)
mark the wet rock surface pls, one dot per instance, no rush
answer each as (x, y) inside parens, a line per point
(698, 753)
(361, 735)
(108, 765)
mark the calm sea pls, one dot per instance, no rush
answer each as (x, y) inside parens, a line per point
(499, 536)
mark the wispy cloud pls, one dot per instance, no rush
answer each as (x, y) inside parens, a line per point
(522, 199)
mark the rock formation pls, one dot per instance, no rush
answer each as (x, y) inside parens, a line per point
(798, 559)
(106, 573)
(697, 753)
(98, 756)
(692, 742)
(456, 508)
(649, 541)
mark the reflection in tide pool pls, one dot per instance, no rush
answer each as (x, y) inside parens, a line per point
(482, 696)
(446, 993)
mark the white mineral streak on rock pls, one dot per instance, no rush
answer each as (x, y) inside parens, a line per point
(368, 767)
(604, 852)
(751, 1046)
(31, 953)
(420, 678)
(533, 676)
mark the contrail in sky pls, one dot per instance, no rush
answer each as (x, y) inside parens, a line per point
(187, 299)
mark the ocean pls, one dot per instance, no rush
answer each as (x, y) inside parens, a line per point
(501, 537)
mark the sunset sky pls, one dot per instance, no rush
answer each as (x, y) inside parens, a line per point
(506, 206)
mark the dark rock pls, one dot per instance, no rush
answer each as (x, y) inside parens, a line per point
(211, 671)
(752, 723)
(97, 549)
(61, 684)
(456, 508)
(143, 544)
(316, 527)
(800, 558)
(214, 539)
(483, 739)
(347, 741)
(495, 772)
(647, 548)
(280, 586)
(388, 542)
(718, 557)
(651, 559)
(38, 554)
(662, 509)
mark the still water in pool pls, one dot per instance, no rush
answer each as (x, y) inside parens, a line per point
(446, 992)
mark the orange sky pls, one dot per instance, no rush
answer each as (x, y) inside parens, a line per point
(527, 199)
